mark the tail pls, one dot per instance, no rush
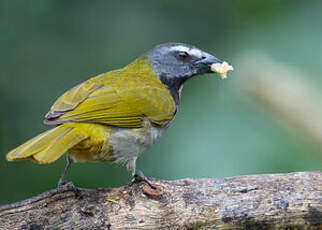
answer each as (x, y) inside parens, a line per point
(48, 146)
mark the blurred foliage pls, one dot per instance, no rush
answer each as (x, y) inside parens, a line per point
(49, 46)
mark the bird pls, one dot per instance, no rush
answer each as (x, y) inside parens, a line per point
(115, 116)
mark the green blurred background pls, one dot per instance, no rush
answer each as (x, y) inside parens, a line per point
(47, 47)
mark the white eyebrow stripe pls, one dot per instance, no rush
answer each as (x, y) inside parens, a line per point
(195, 52)
(192, 51)
(180, 48)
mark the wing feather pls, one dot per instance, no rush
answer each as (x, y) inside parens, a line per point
(117, 99)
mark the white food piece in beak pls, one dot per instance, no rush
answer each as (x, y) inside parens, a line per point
(221, 69)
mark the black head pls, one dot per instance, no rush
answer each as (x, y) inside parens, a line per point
(174, 63)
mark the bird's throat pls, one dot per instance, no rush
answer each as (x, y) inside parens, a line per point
(174, 85)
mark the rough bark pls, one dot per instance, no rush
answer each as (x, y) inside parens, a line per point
(273, 201)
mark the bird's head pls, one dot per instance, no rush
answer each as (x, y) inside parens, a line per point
(177, 62)
(174, 63)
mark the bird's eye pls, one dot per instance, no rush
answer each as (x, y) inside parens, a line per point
(183, 55)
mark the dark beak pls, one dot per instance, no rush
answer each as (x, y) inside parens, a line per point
(203, 65)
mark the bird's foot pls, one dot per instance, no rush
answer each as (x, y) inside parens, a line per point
(139, 176)
(62, 185)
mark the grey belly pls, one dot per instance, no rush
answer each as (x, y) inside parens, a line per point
(127, 144)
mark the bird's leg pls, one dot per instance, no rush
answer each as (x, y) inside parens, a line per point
(62, 181)
(138, 175)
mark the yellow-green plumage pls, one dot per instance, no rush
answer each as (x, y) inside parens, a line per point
(48, 146)
(90, 114)
(119, 98)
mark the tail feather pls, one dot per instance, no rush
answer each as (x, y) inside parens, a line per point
(63, 143)
(48, 146)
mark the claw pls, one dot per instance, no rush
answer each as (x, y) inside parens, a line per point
(62, 185)
(139, 176)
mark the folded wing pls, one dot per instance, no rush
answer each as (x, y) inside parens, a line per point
(116, 99)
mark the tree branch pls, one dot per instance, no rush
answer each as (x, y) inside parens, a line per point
(273, 201)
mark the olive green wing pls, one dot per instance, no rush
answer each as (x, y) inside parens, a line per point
(73, 97)
(117, 100)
